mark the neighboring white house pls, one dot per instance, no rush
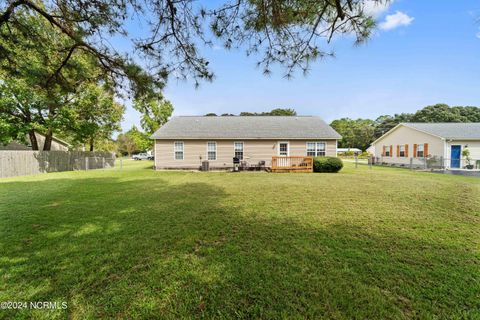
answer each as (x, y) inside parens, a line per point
(413, 142)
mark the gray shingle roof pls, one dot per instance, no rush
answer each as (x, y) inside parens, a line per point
(249, 127)
(453, 130)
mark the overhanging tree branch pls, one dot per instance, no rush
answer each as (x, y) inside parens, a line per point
(284, 32)
(5, 16)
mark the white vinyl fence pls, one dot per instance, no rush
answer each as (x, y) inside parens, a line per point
(21, 163)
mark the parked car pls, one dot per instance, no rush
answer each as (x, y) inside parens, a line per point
(142, 156)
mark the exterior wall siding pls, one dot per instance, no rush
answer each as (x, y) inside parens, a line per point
(473, 146)
(195, 151)
(404, 135)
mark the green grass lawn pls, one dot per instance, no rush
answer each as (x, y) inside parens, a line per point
(135, 243)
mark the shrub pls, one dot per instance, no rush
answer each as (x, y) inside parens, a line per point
(327, 164)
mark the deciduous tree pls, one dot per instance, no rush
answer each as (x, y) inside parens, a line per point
(95, 115)
(41, 77)
(134, 140)
(357, 133)
(155, 112)
(385, 123)
(19, 112)
(126, 144)
(437, 113)
(444, 113)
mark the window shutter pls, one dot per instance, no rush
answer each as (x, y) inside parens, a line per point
(425, 150)
(391, 151)
(398, 150)
(406, 151)
(414, 150)
(383, 151)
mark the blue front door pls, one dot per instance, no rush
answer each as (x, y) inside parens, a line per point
(455, 157)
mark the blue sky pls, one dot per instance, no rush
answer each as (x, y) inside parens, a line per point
(424, 52)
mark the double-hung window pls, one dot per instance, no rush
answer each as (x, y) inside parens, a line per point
(420, 151)
(211, 150)
(320, 149)
(316, 149)
(283, 149)
(401, 150)
(311, 149)
(238, 148)
(386, 151)
(178, 149)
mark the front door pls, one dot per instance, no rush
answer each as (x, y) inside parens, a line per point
(455, 156)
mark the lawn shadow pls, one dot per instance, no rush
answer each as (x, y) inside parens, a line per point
(153, 248)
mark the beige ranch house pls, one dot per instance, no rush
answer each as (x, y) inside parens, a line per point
(184, 142)
(441, 143)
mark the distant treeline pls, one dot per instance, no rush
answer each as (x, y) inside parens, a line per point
(274, 112)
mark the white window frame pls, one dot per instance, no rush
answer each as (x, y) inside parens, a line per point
(387, 148)
(423, 150)
(175, 150)
(215, 143)
(316, 149)
(235, 149)
(288, 148)
(400, 151)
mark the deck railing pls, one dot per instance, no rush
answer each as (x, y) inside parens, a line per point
(292, 164)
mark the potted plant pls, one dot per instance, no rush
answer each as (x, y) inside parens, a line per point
(466, 155)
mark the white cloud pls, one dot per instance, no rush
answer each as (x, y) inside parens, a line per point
(395, 20)
(376, 8)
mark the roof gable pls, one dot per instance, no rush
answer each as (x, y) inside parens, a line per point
(395, 129)
(246, 127)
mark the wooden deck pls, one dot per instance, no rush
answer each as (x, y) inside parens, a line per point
(292, 164)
